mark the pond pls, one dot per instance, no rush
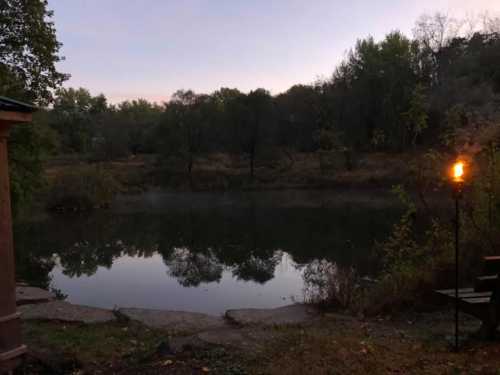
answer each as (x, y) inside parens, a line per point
(204, 252)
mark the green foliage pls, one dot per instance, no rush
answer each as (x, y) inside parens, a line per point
(29, 145)
(82, 189)
(75, 115)
(455, 118)
(87, 124)
(378, 139)
(191, 124)
(483, 203)
(29, 53)
(255, 125)
(135, 120)
(411, 261)
(416, 117)
(298, 112)
(329, 140)
(373, 88)
(400, 251)
(183, 126)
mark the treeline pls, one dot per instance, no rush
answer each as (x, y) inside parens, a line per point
(389, 95)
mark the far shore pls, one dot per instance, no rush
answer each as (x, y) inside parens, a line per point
(231, 172)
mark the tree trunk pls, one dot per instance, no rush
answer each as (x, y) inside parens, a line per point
(252, 162)
(190, 170)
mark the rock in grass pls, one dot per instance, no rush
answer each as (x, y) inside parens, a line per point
(248, 339)
(178, 321)
(287, 315)
(26, 295)
(66, 312)
(164, 349)
(191, 343)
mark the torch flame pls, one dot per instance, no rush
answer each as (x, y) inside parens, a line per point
(458, 171)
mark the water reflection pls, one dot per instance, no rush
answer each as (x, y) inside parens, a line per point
(198, 245)
(192, 269)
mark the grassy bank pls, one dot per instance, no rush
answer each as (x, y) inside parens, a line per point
(230, 172)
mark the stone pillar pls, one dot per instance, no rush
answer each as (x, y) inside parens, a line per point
(11, 346)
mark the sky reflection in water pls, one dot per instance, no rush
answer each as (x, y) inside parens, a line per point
(145, 282)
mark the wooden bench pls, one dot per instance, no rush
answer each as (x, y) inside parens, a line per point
(483, 300)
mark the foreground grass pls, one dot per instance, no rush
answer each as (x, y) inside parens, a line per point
(98, 346)
(116, 348)
(374, 349)
(332, 345)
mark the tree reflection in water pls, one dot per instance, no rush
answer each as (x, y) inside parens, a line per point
(192, 269)
(258, 269)
(198, 246)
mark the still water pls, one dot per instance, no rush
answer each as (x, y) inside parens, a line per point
(205, 252)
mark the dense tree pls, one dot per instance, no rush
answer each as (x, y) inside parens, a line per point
(298, 118)
(227, 105)
(371, 90)
(254, 123)
(29, 51)
(182, 127)
(138, 119)
(416, 116)
(75, 116)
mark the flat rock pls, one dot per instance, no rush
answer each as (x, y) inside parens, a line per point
(241, 338)
(177, 321)
(287, 315)
(66, 312)
(26, 295)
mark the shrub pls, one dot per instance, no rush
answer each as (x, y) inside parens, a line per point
(411, 262)
(331, 286)
(81, 189)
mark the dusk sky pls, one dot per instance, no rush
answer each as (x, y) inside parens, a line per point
(128, 49)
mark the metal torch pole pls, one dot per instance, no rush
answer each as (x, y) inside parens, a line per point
(457, 241)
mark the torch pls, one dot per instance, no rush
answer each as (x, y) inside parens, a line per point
(458, 181)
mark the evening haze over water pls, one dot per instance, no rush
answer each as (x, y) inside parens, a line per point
(132, 49)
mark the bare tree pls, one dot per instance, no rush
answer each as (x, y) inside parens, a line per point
(436, 31)
(490, 24)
